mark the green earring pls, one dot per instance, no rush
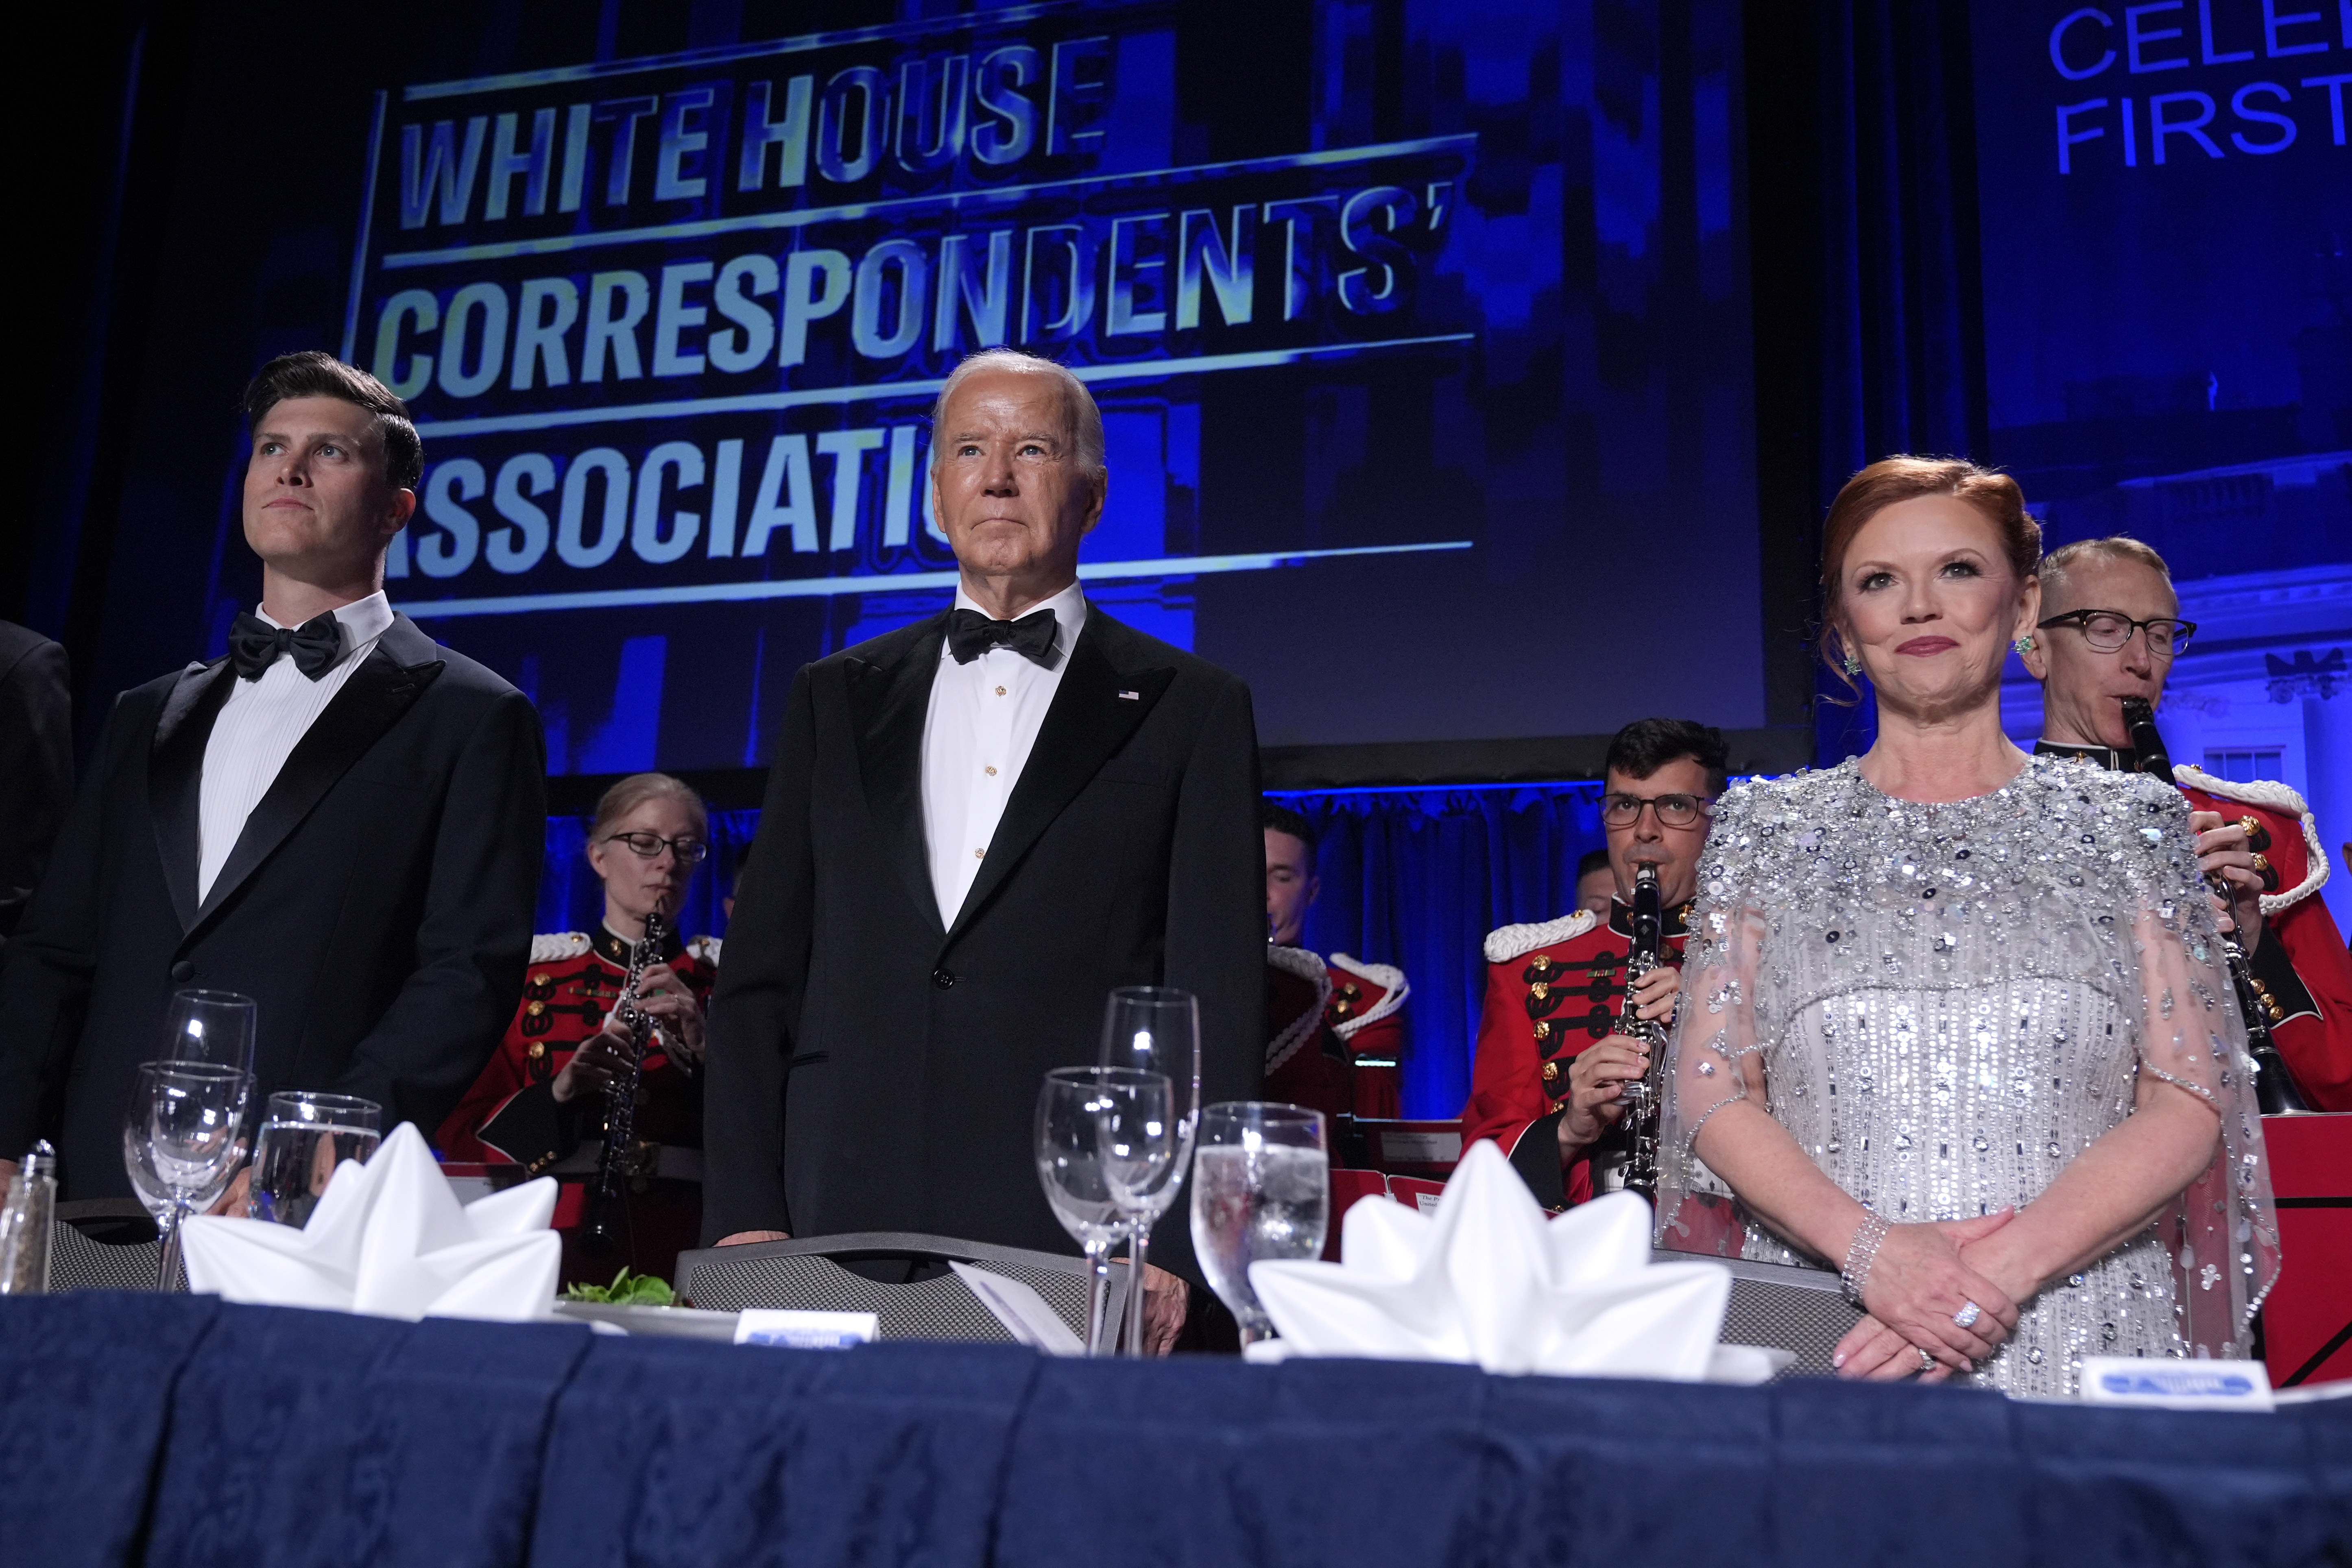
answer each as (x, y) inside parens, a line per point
(2024, 644)
(1852, 664)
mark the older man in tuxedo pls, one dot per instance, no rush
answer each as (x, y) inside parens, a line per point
(340, 819)
(975, 827)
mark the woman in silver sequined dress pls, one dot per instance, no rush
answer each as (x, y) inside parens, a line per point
(1956, 1020)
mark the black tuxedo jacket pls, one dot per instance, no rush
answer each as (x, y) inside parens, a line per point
(377, 905)
(37, 773)
(873, 1070)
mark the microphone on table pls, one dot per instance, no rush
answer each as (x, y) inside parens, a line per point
(2275, 1091)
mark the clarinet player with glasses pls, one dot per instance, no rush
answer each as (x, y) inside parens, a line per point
(602, 1013)
(1957, 1023)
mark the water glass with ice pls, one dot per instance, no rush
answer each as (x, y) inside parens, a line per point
(1261, 1188)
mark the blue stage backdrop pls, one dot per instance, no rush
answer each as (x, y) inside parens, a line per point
(1450, 313)
(1410, 876)
(2167, 219)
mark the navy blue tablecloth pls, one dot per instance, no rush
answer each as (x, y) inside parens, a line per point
(183, 1431)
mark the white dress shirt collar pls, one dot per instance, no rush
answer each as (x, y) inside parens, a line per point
(362, 620)
(1069, 607)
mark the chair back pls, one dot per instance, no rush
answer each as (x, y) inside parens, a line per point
(809, 1275)
(106, 1244)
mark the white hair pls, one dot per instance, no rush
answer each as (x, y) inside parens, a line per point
(1086, 418)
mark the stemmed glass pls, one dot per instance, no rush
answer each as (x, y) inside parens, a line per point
(199, 1026)
(1261, 1188)
(210, 1026)
(305, 1137)
(1083, 1114)
(1154, 1028)
(188, 1115)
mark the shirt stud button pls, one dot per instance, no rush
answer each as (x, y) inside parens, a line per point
(979, 854)
(991, 772)
(1000, 691)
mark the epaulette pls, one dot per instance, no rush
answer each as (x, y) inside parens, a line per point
(1382, 974)
(554, 947)
(1306, 966)
(704, 950)
(2271, 795)
(1506, 943)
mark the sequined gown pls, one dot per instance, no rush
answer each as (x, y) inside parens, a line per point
(1943, 1004)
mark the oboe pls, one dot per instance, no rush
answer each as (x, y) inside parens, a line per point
(2275, 1091)
(601, 1225)
(1628, 1158)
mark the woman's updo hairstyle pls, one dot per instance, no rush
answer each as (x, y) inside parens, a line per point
(638, 788)
(1891, 480)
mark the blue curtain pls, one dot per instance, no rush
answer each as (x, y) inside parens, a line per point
(1415, 877)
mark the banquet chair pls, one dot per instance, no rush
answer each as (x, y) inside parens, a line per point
(105, 1244)
(903, 1278)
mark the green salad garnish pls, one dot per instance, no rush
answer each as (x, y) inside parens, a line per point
(627, 1289)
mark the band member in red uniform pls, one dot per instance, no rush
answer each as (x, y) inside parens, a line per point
(1545, 1083)
(538, 1106)
(2110, 628)
(1335, 1028)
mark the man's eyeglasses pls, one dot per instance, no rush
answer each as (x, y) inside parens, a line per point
(2108, 630)
(645, 845)
(1674, 810)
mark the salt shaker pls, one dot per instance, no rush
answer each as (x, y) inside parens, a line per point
(25, 1224)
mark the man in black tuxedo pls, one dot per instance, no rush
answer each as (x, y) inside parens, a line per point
(340, 819)
(37, 770)
(976, 827)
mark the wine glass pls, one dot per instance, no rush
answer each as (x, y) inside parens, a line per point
(189, 1114)
(1261, 1188)
(1154, 1028)
(211, 1026)
(1079, 1111)
(302, 1141)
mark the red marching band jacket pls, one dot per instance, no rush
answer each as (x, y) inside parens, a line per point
(1335, 1033)
(1552, 989)
(2302, 973)
(511, 1118)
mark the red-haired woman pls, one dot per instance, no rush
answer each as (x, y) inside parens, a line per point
(539, 1109)
(1954, 1019)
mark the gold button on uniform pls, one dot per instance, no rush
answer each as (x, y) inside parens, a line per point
(1552, 1072)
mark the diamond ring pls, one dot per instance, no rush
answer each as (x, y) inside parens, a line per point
(1968, 1315)
(1927, 1361)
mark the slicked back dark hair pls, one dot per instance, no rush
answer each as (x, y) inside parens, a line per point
(1281, 818)
(1645, 745)
(1591, 860)
(311, 373)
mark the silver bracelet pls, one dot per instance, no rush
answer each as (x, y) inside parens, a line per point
(1862, 1253)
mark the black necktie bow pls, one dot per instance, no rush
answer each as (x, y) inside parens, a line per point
(254, 644)
(971, 634)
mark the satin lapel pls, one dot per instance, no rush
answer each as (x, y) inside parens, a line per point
(175, 777)
(889, 703)
(379, 692)
(1098, 706)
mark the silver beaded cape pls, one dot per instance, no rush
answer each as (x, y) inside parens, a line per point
(1943, 1004)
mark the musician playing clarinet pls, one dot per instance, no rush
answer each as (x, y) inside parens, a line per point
(2110, 626)
(1553, 1057)
(540, 1107)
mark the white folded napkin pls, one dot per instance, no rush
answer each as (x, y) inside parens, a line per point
(1489, 1279)
(390, 1239)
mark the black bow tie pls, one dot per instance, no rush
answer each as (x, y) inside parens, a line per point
(971, 634)
(254, 644)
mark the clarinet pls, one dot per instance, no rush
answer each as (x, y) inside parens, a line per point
(601, 1226)
(1627, 1160)
(2275, 1091)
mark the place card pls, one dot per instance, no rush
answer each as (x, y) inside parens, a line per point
(805, 1331)
(2170, 1385)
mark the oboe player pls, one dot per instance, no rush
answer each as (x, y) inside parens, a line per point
(1551, 1062)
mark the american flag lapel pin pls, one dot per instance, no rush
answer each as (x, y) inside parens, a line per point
(1130, 697)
